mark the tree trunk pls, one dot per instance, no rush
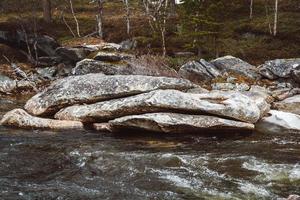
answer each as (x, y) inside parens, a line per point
(75, 18)
(173, 7)
(100, 18)
(251, 9)
(275, 18)
(47, 11)
(127, 16)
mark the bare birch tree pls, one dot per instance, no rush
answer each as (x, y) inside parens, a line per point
(99, 18)
(158, 13)
(75, 18)
(275, 18)
(127, 16)
(251, 9)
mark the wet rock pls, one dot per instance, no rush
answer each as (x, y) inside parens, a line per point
(195, 72)
(230, 105)
(112, 57)
(92, 88)
(20, 118)
(178, 123)
(7, 85)
(279, 122)
(230, 64)
(291, 104)
(279, 68)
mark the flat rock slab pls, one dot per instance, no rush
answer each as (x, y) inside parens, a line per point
(21, 119)
(279, 122)
(178, 123)
(112, 57)
(93, 88)
(226, 104)
(291, 104)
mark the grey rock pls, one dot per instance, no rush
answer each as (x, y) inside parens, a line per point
(21, 119)
(88, 66)
(279, 122)
(210, 68)
(195, 72)
(230, 64)
(230, 105)
(291, 104)
(178, 123)
(47, 72)
(279, 68)
(112, 56)
(71, 55)
(129, 44)
(92, 88)
(7, 85)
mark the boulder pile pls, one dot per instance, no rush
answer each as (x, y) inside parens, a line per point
(99, 87)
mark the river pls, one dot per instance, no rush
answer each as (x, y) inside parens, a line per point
(92, 165)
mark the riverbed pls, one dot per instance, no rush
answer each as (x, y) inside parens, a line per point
(94, 165)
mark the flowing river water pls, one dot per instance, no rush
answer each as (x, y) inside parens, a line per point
(92, 165)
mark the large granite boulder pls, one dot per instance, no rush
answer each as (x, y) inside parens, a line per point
(92, 88)
(279, 122)
(233, 65)
(178, 123)
(21, 119)
(199, 71)
(280, 68)
(230, 105)
(87, 66)
(291, 104)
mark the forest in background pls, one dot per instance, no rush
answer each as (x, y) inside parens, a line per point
(208, 28)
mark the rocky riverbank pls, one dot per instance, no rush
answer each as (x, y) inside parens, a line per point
(99, 86)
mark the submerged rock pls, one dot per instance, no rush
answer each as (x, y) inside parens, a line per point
(279, 122)
(178, 123)
(291, 104)
(92, 88)
(235, 65)
(20, 118)
(230, 105)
